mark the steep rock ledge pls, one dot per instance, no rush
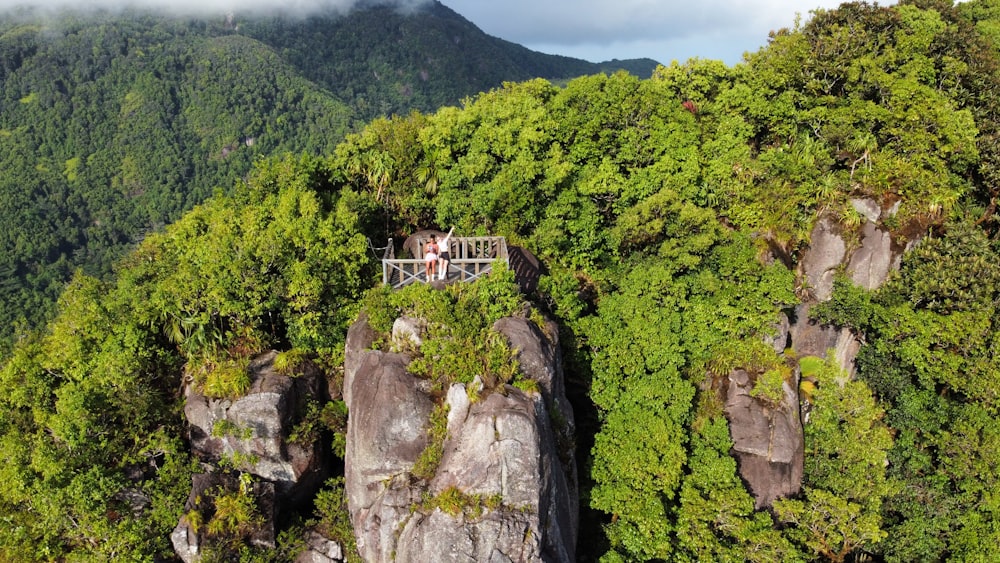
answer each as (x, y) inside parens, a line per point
(767, 439)
(255, 428)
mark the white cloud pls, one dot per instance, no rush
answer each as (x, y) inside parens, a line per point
(195, 7)
(664, 30)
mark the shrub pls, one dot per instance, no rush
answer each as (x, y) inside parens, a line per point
(427, 463)
(227, 379)
(768, 386)
(332, 518)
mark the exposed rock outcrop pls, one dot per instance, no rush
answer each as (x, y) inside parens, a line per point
(868, 266)
(360, 338)
(871, 263)
(768, 438)
(825, 254)
(386, 432)
(320, 550)
(255, 428)
(540, 360)
(501, 453)
(253, 433)
(810, 338)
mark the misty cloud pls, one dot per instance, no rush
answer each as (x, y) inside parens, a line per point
(207, 7)
(595, 30)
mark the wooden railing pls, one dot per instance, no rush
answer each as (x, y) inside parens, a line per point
(471, 258)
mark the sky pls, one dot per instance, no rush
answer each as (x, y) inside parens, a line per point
(594, 30)
(663, 30)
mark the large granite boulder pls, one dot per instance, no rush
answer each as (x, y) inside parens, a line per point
(767, 439)
(871, 263)
(500, 445)
(496, 537)
(825, 254)
(540, 359)
(360, 338)
(867, 265)
(254, 429)
(386, 432)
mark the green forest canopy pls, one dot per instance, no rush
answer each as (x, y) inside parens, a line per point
(651, 204)
(114, 124)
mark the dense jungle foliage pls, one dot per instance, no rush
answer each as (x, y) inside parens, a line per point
(113, 125)
(670, 214)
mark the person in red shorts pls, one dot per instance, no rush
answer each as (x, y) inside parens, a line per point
(431, 255)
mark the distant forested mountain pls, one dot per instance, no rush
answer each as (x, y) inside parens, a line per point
(381, 61)
(111, 125)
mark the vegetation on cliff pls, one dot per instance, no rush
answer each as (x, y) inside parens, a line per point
(669, 214)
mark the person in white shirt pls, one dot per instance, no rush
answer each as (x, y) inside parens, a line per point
(444, 258)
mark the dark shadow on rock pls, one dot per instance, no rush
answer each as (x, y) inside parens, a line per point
(591, 539)
(527, 269)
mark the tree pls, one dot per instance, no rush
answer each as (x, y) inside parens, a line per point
(845, 479)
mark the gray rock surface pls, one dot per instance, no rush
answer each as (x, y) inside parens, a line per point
(871, 263)
(825, 253)
(767, 439)
(868, 208)
(540, 359)
(497, 537)
(501, 444)
(360, 338)
(407, 332)
(386, 432)
(505, 446)
(810, 338)
(537, 354)
(187, 543)
(320, 550)
(868, 266)
(255, 428)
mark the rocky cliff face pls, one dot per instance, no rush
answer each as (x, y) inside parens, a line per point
(868, 264)
(505, 487)
(768, 438)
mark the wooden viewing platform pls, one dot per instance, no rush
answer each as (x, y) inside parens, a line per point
(471, 258)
